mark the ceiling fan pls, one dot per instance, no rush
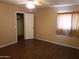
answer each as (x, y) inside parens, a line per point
(31, 4)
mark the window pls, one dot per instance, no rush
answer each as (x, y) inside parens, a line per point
(68, 24)
(64, 21)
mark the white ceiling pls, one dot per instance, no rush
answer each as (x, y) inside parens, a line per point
(59, 4)
(51, 2)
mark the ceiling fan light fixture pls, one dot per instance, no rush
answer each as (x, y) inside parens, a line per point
(30, 5)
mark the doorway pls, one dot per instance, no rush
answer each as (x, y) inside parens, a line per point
(20, 27)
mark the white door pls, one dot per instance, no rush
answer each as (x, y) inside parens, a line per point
(29, 26)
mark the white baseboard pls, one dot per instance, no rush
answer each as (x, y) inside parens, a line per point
(29, 38)
(57, 43)
(7, 44)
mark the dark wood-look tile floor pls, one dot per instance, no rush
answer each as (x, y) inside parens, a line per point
(36, 49)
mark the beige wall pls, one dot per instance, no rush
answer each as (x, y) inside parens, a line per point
(8, 23)
(45, 23)
(45, 28)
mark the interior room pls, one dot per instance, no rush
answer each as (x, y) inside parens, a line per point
(39, 29)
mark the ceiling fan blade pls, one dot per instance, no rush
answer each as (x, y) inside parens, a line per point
(36, 2)
(22, 3)
(42, 2)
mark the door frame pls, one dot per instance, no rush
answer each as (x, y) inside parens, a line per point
(16, 23)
